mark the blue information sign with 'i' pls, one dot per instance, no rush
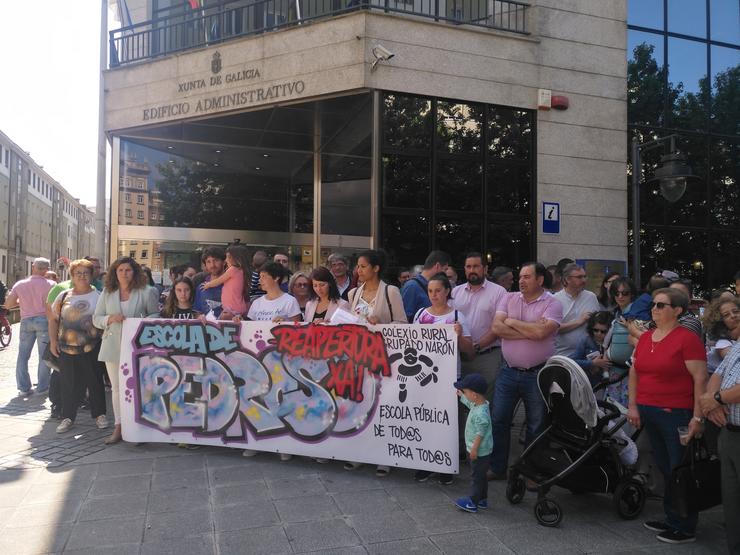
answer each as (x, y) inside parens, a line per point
(550, 217)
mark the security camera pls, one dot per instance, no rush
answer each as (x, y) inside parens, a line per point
(380, 53)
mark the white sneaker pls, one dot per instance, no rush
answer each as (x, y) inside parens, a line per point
(285, 456)
(64, 426)
(101, 422)
(249, 453)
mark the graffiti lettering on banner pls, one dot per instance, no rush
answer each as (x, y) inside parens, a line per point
(377, 394)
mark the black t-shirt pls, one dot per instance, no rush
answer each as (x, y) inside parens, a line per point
(182, 314)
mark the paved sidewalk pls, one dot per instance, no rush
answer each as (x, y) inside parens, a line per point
(160, 499)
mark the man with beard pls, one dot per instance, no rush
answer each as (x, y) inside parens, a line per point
(209, 300)
(478, 300)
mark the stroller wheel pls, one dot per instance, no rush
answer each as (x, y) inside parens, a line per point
(548, 512)
(515, 489)
(629, 499)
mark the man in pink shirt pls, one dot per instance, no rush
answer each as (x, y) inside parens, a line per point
(479, 300)
(31, 294)
(527, 324)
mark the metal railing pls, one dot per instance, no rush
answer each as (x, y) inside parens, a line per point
(175, 30)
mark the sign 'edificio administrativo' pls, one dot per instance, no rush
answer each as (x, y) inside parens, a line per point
(228, 100)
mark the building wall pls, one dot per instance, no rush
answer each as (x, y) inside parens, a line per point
(576, 48)
(38, 217)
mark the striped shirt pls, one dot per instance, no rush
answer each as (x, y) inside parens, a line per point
(730, 372)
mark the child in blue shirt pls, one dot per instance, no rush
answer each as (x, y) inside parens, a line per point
(478, 440)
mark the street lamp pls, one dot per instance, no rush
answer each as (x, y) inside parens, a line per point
(672, 175)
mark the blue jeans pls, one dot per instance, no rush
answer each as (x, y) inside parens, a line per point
(512, 385)
(33, 329)
(661, 425)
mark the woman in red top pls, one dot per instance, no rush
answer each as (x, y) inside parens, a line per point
(666, 380)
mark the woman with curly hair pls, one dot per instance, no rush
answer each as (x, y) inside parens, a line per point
(126, 295)
(722, 322)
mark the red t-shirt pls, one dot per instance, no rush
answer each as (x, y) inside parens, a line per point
(663, 379)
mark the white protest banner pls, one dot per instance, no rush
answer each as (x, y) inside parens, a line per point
(374, 394)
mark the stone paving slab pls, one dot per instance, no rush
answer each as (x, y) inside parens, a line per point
(69, 493)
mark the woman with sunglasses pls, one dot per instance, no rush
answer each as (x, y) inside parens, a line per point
(589, 353)
(299, 287)
(666, 381)
(618, 343)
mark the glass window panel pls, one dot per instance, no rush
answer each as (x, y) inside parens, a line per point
(509, 133)
(406, 181)
(459, 185)
(687, 81)
(691, 208)
(346, 125)
(724, 20)
(645, 13)
(459, 127)
(652, 205)
(687, 63)
(725, 84)
(345, 195)
(204, 186)
(509, 242)
(645, 78)
(725, 202)
(724, 252)
(458, 235)
(509, 188)
(407, 122)
(405, 239)
(688, 17)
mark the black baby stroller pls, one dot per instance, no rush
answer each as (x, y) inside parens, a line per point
(579, 450)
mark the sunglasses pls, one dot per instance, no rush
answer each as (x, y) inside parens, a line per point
(623, 294)
(660, 306)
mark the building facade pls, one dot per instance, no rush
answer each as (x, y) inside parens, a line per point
(342, 125)
(684, 80)
(38, 217)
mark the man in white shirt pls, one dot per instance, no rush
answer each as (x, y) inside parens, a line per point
(578, 305)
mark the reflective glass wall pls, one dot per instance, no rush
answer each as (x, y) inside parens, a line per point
(252, 177)
(458, 177)
(684, 78)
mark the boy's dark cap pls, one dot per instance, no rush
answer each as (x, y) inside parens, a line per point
(473, 382)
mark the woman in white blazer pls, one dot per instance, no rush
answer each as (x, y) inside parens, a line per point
(324, 297)
(126, 295)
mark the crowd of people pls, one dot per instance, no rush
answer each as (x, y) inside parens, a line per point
(678, 368)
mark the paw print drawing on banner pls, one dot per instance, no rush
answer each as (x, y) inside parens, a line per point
(128, 393)
(415, 365)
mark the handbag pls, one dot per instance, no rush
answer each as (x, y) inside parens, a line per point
(48, 357)
(696, 483)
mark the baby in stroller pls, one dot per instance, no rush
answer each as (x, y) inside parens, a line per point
(583, 449)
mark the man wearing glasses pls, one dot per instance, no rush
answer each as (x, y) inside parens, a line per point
(578, 305)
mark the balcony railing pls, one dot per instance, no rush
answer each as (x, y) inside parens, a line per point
(175, 30)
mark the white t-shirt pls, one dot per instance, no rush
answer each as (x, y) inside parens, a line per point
(265, 310)
(423, 316)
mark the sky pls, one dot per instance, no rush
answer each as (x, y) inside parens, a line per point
(49, 93)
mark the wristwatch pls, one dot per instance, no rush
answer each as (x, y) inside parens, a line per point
(476, 346)
(698, 419)
(718, 398)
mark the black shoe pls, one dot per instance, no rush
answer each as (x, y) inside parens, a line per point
(445, 479)
(56, 412)
(656, 526)
(491, 475)
(422, 475)
(674, 536)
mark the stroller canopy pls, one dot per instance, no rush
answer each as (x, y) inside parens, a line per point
(562, 375)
